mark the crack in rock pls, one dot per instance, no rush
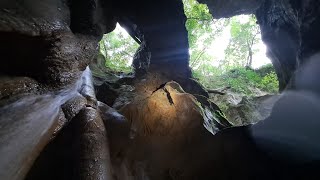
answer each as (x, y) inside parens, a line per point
(168, 96)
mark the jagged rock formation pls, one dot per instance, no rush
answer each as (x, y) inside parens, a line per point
(243, 110)
(52, 125)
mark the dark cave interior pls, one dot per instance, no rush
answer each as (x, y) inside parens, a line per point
(56, 122)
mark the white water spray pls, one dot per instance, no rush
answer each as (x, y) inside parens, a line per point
(26, 125)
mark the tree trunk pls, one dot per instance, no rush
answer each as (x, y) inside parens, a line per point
(249, 61)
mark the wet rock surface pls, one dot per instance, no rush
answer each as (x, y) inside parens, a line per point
(94, 157)
(72, 107)
(83, 141)
(17, 86)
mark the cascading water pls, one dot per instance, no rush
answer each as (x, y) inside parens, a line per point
(87, 88)
(26, 126)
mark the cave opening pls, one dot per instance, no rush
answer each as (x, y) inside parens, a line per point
(228, 52)
(228, 57)
(116, 52)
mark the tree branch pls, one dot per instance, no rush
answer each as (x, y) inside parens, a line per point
(199, 55)
(125, 52)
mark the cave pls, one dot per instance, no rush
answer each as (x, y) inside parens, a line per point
(59, 120)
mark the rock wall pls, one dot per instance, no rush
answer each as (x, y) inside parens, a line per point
(46, 45)
(289, 28)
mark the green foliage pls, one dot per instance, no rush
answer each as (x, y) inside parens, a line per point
(241, 80)
(265, 69)
(199, 20)
(270, 82)
(240, 50)
(234, 70)
(118, 49)
(202, 31)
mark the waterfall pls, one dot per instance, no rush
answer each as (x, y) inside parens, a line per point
(26, 126)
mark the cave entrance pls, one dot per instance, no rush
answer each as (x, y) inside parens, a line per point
(116, 51)
(228, 52)
(228, 57)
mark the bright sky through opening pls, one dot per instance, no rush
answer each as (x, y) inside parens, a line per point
(219, 45)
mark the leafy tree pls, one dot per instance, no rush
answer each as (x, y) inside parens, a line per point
(118, 49)
(243, 37)
(199, 21)
(202, 31)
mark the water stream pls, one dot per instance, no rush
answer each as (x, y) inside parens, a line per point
(27, 124)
